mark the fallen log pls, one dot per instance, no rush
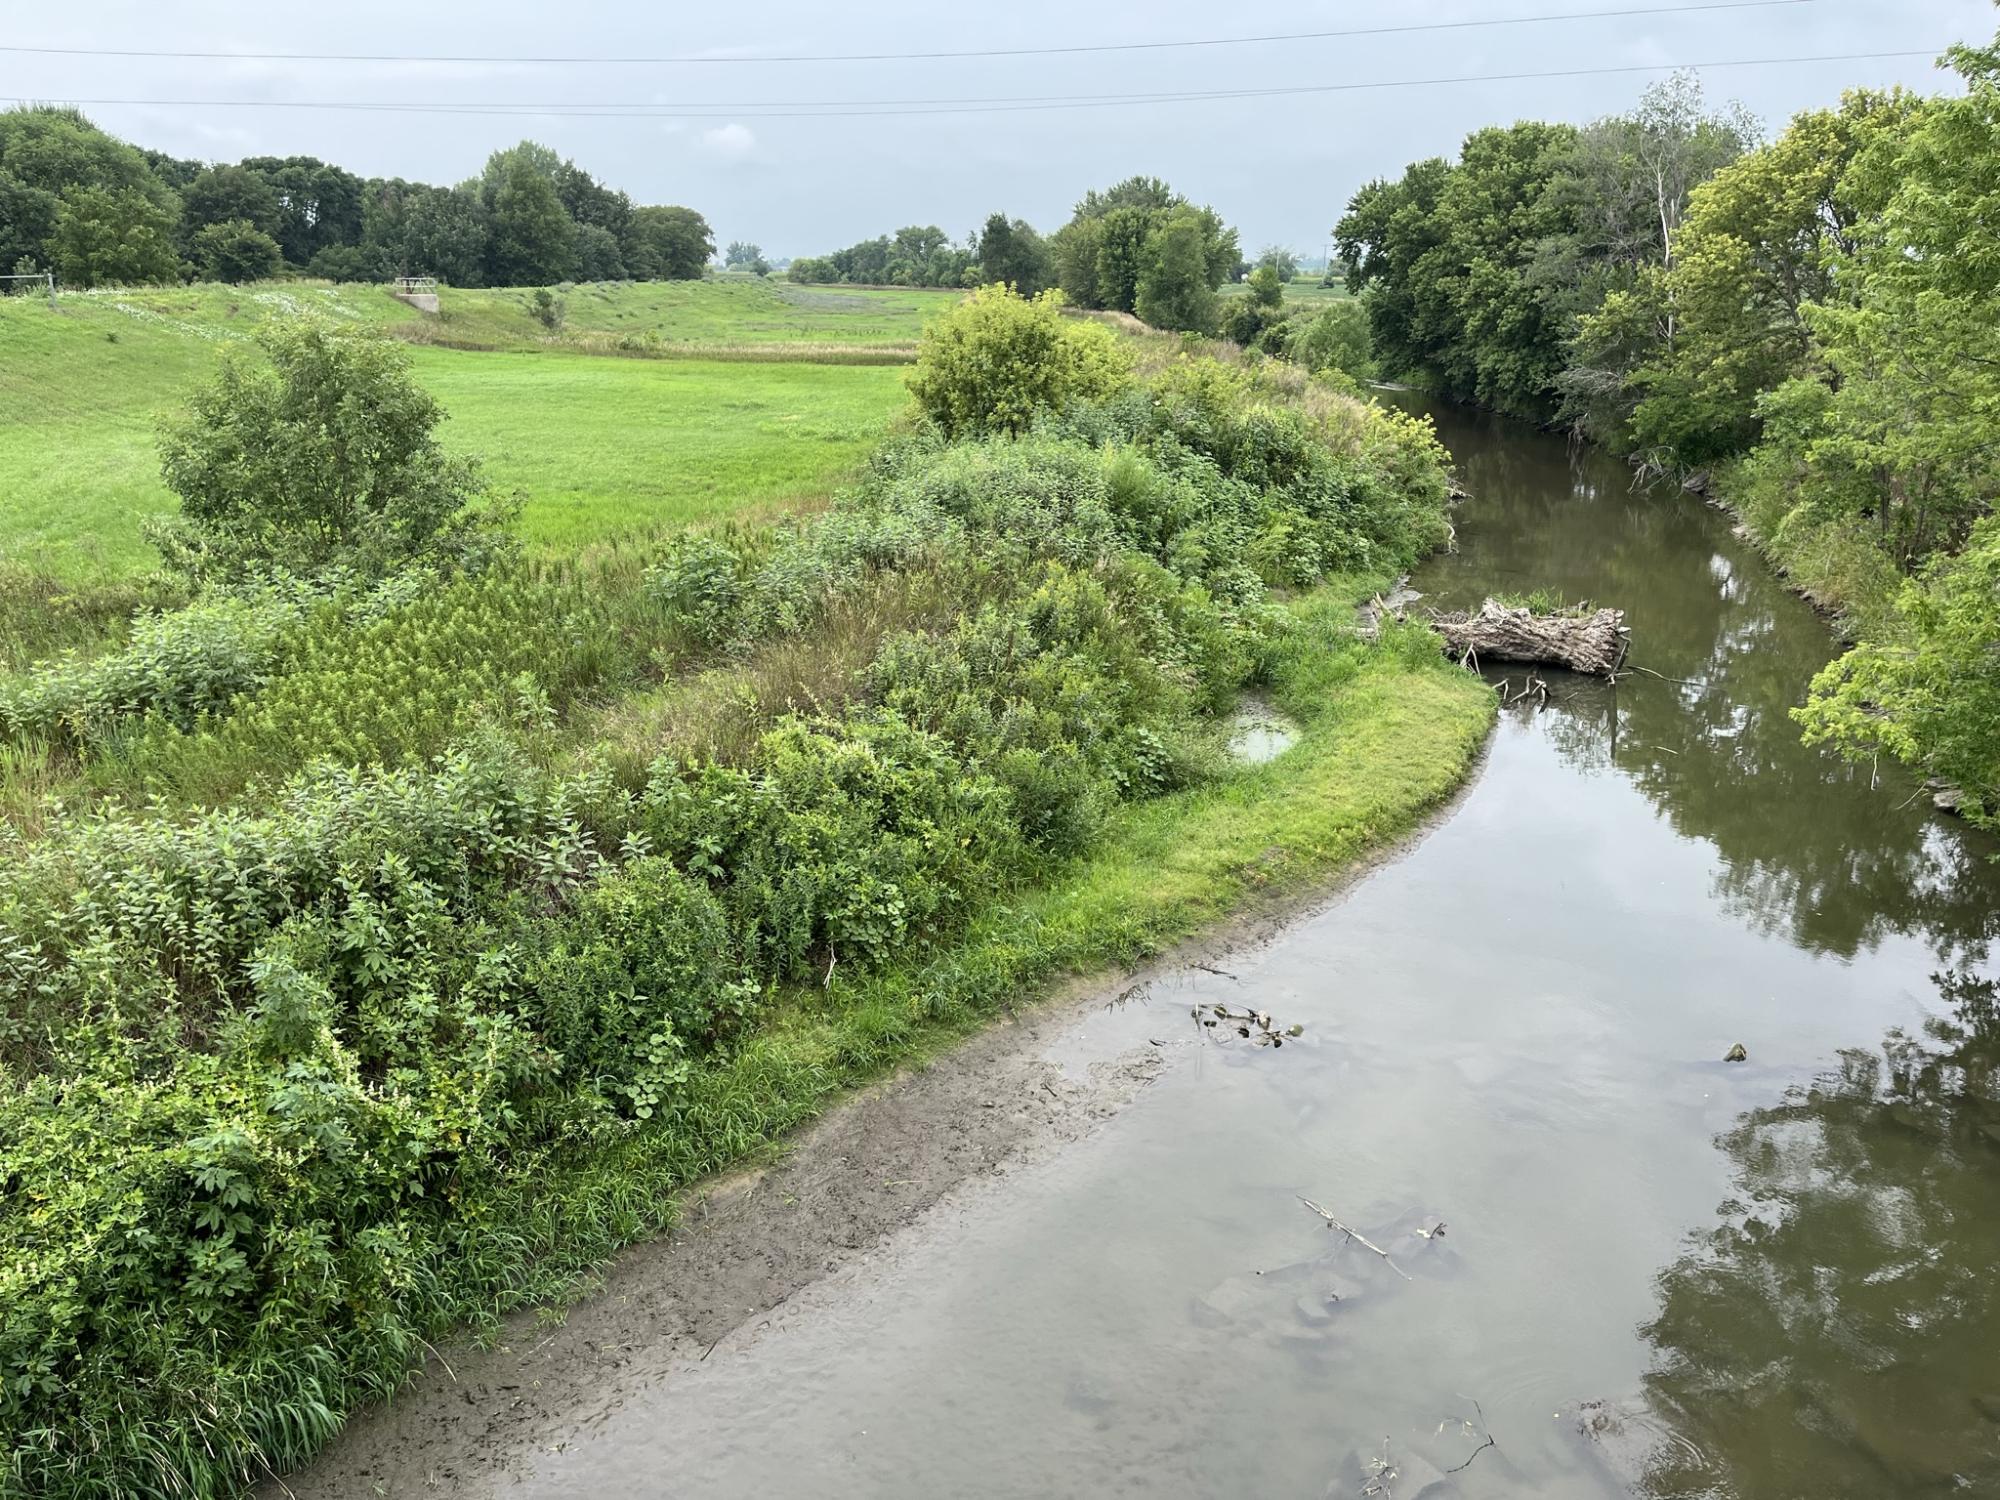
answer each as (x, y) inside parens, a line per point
(1593, 642)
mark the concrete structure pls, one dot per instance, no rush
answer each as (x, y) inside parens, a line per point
(421, 292)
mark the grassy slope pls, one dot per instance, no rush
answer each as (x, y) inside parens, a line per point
(725, 313)
(81, 389)
(604, 446)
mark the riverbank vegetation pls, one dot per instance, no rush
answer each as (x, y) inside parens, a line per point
(396, 920)
(1805, 326)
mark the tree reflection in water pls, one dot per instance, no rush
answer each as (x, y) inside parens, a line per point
(1807, 847)
(1839, 1334)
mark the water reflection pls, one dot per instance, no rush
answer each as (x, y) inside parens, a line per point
(1828, 855)
(1839, 1333)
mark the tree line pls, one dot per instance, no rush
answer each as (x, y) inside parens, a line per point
(1138, 247)
(1811, 324)
(97, 211)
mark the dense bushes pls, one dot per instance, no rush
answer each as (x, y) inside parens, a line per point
(993, 362)
(289, 1086)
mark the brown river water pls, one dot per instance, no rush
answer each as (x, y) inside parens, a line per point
(1660, 1274)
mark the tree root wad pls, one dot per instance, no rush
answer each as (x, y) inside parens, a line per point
(1593, 642)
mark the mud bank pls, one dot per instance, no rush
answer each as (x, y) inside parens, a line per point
(900, 1161)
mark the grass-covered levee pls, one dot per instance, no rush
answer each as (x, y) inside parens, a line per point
(385, 943)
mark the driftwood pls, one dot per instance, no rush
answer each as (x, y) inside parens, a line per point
(1594, 643)
(1363, 1241)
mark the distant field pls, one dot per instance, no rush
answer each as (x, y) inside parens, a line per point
(1304, 293)
(599, 445)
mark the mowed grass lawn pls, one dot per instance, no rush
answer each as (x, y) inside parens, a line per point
(600, 446)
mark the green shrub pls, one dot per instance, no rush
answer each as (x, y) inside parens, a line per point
(326, 455)
(177, 665)
(1929, 693)
(998, 358)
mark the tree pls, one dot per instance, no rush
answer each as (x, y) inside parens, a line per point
(346, 263)
(741, 255)
(1280, 260)
(113, 236)
(589, 202)
(532, 239)
(319, 205)
(1010, 251)
(411, 229)
(1257, 318)
(1929, 695)
(998, 358)
(222, 194)
(1336, 339)
(325, 453)
(598, 257)
(1104, 251)
(1174, 288)
(446, 234)
(235, 250)
(668, 244)
(46, 153)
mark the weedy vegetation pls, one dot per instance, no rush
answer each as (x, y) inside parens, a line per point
(397, 920)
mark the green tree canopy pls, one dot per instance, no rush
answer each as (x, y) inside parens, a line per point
(665, 243)
(46, 153)
(319, 205)
(1104, 253)
(532, 239)
(225, 193)
(234, 250)
(113, 236)
(1010, 251)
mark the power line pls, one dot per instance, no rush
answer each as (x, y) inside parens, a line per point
(853, 57)
(864, 108)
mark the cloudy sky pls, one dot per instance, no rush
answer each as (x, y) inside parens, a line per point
(718, 137)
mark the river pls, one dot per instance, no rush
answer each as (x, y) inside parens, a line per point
(1660, 1273)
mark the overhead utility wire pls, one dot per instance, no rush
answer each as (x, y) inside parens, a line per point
(851, 57)
(860, 109)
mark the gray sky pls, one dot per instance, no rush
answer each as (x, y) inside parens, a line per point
(1279, 168)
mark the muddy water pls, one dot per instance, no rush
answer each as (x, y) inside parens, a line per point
(1660, 1273)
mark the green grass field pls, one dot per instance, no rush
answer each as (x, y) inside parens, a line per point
(599, 445)
(1306, 292)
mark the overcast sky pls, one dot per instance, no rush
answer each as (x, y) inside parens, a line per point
(1279, 168)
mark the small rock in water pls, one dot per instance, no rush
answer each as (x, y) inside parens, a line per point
(1738, 1053)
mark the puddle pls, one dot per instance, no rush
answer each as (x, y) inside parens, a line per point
(1258, 733)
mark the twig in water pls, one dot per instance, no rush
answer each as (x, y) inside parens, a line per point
(1676, 681)
(1208, 968)
(1382, 1474)
(1361, 1239)
(1489, 1443)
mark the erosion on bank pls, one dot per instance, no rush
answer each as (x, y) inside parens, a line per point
(525, 895)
